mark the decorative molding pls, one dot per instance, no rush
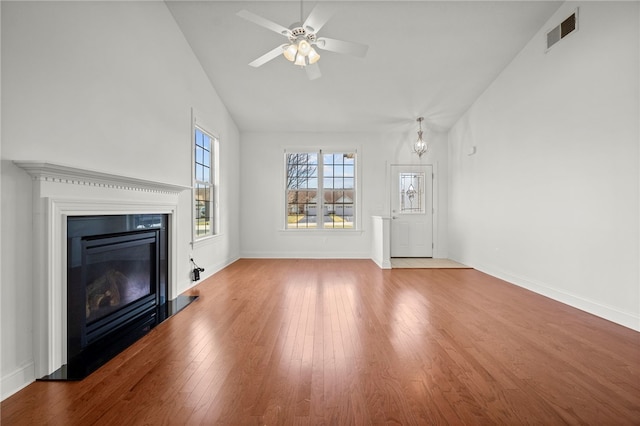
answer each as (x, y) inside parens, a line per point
(51, 172)
(54, 200)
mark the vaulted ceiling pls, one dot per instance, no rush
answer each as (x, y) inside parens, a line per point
(425, 58)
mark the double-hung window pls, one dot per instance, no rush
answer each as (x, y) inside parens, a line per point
(320, 190)
(204, 184)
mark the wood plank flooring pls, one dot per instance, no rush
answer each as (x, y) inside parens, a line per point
(341, 342)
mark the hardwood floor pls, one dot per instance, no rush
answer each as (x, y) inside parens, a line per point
(342, 342)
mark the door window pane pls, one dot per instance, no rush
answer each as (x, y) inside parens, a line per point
(411, 192)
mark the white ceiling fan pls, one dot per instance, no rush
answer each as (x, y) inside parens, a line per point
(303, 36)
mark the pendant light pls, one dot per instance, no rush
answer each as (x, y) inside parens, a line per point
(420, 146)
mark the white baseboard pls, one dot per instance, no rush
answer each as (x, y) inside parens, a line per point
(304, 255)
(19, 379)
(217, 267)
(382, 264)
(609, 313)
(210, 270)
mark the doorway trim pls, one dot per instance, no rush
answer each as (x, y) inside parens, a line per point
(435, 225)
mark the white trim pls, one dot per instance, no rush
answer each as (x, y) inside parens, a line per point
(432, 204)
(381, 241)
(52, 172)
(60, 192)
(435, 215)
(325, 149)
(304, 255)
(58, 210)
(322, 231)
(213, 269)
(205, 240)
(17, 380)
(626, 319)
(196, 122)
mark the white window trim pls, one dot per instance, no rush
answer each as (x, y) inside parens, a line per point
(197, 122)
(358, 188)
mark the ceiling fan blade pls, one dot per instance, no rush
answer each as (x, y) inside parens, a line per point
(313, 71)
(319, 16)
(272, 54)
(263, 22)
(341, 46)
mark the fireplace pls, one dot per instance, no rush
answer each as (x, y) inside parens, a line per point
(117, 287)
(116, 277)
(63, 194)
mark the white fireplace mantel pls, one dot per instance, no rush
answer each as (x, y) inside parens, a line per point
(53, 172)
(59, 192)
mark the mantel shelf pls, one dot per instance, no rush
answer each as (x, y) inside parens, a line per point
(53, 172)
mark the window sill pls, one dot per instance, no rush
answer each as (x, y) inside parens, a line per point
(205, 240)
(323, 232)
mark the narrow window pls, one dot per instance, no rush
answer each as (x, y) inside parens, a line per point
(321, 190)
(204, 184)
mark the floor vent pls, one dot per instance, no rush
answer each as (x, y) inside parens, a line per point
(567, 26)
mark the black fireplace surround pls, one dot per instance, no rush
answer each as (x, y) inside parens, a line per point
(117, 287)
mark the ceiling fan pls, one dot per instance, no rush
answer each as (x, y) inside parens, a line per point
(302, 37)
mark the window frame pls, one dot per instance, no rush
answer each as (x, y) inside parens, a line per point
(214, 173)
(320, 196)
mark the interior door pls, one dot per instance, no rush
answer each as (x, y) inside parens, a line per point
(411, 211)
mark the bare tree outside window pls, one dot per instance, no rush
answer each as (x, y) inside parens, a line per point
(302, 190)
(300, 168)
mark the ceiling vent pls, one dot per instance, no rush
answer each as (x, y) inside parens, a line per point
(567, 26)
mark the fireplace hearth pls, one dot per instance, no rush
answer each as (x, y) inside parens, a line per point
(117, 274)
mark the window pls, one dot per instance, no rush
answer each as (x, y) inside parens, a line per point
(204, 184)
(411, 193)
(321, 190)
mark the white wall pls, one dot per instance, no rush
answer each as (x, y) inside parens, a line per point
(263, 202)
(107, 86)
(2, 296)
(550, 201)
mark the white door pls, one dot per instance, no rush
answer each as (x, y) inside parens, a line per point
(411, 211)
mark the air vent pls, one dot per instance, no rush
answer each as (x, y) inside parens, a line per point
(567, 26)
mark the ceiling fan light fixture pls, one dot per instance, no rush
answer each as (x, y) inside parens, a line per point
(313, 56)
(303, 40)
(301, 60)
(304, 48)
(290, 52)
